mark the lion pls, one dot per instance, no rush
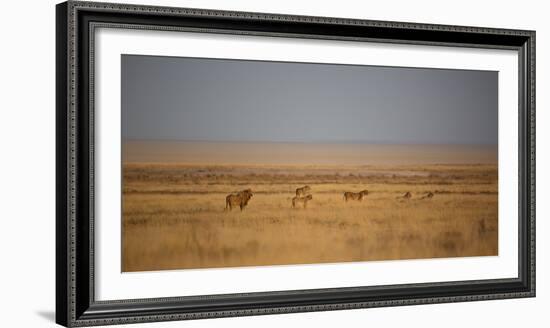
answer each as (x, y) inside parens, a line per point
(348, 195)
(240, 199)
(429, 195)
(300, 192)
(303, 200)
(406, 196)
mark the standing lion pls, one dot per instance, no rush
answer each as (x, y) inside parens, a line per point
(303, 191)
(348, 195)
(296, 200)
(240, 199)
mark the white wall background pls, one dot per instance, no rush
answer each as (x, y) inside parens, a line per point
(27, 162)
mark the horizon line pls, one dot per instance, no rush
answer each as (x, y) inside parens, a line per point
(366, 142)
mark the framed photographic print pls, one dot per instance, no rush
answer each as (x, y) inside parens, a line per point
(215, 163)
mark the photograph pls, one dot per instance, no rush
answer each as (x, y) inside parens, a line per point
(236, 163)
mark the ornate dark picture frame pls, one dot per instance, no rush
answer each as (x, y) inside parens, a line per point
(75, 301)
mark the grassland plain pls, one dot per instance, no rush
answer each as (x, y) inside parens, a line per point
(174, 217)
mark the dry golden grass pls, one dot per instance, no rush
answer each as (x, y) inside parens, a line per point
(174, 218)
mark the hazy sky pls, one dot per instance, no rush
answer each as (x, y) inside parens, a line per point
(235, 100)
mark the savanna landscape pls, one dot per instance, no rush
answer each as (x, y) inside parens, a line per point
(236, 162)
(422, 201)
